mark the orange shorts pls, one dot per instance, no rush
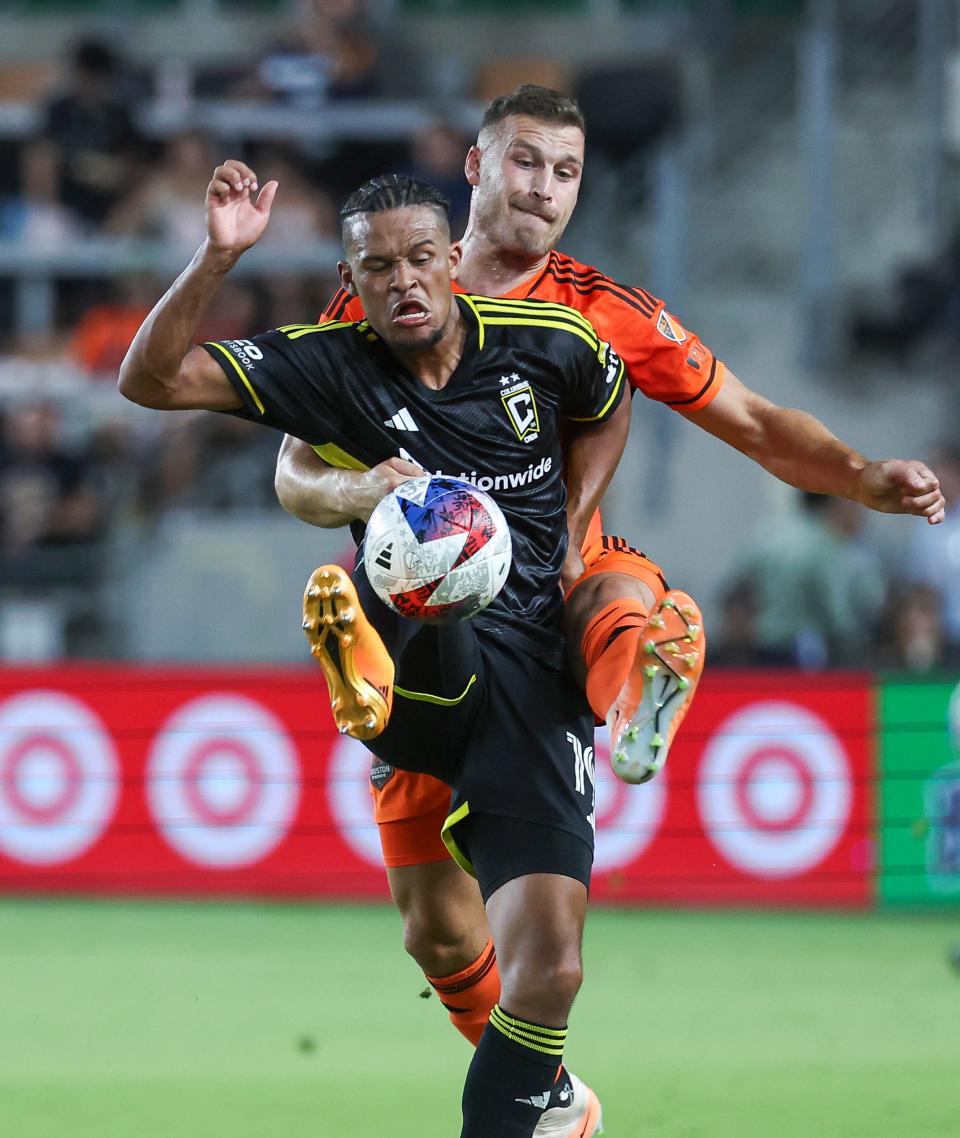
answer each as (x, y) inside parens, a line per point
(410, 809)
(616, 555)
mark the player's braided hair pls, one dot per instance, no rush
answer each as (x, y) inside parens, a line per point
(541, 103)
(393, 191)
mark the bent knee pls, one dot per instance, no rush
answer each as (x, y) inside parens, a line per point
(440, 942)
(542, 992)
(602, 589)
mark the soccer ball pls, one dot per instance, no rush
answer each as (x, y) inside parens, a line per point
(437, 549)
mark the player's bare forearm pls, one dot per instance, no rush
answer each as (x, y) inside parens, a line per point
(591, 452)
(800, 450)
(153, 372)
(326, 496)
(161, 368)
(309, 488)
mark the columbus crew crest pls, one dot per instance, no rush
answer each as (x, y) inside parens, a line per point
(521, 407)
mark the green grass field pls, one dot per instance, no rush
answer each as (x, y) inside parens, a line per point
(145, 1020)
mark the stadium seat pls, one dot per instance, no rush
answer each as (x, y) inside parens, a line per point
(27, 80)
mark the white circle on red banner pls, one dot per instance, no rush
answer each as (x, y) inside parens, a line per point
(348, 790)
(774, 789)
(58, 777)
(223, 781)
(627, 817)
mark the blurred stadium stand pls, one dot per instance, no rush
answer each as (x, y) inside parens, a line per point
(769, 166)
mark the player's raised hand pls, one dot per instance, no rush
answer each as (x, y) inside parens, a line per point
(236, 218)
(902, 486)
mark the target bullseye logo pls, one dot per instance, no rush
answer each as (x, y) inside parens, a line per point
(628, 817)
(223, 781)
(774, 790)
(58, 777)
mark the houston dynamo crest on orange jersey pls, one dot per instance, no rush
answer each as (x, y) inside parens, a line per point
(670, 328)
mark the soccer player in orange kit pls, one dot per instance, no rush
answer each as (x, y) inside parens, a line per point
(526, 170)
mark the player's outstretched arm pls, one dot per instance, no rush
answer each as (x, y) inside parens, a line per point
(799, 449)
(162, 368)
(326, 496)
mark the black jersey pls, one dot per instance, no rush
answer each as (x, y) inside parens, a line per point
(525, 365)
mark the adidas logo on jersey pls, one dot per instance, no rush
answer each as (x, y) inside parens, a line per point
(402, 421)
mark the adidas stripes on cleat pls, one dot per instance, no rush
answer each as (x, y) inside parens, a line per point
(573, 1111)
(357, 666)
(656, 695)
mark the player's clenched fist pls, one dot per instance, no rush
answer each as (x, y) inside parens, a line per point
(899, 486)
(235, 218)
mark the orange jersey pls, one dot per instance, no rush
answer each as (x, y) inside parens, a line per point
(662, 358)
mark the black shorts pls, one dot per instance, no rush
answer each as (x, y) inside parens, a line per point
(497, 849)
(493, 713)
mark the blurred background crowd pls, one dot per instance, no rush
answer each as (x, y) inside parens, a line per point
(781, 171)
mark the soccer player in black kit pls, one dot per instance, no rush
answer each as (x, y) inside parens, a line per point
(497, 717)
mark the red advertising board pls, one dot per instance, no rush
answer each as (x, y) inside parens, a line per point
(766, 800)
(185, 781)
(170, 781)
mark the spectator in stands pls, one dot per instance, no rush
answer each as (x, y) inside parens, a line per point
(279, 295)
(309, 213)
(88, 150)
(915, 634)
(934, 558)
(38, 222)
(161, 205)
(331, 53)
(104, 331)
(214, 464)
(733, 639)
(103, 334)
(49, 506)
(436, 157)
(818, 582)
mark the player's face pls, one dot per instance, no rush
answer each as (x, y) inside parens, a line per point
(527, 177)
(400, 263)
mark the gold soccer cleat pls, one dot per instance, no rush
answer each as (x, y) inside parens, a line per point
(655, 697)
(359, 671)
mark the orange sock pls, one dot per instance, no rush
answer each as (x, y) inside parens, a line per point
(470, 994)
(609, 646)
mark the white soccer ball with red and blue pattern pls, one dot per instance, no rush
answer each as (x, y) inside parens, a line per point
(437, 549)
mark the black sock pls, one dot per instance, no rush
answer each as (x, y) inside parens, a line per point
(562, 1091)
(511, 1078)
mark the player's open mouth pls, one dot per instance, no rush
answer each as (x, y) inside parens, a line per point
(410, 314)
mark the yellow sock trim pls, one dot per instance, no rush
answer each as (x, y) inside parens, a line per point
(545, 1040)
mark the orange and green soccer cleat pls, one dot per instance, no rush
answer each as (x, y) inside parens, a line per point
(355, 662)
(655, 697)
